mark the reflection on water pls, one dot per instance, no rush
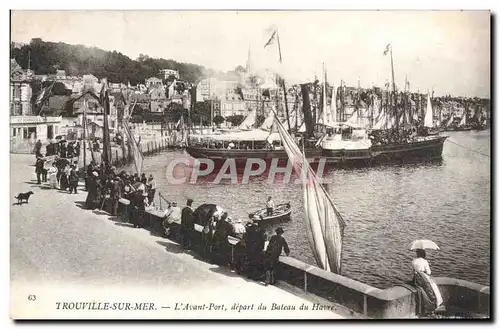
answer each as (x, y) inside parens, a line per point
(384, 207)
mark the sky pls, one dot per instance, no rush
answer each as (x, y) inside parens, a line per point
(448, 51)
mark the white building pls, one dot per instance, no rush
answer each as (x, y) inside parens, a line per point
(168, 72)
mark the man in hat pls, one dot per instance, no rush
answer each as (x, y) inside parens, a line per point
(270, 206)
(187, 224)
(139, 203)
(93, 191)
(273, 252)
(255, 241)
(73, 180)
(39, 170)
(115, 196)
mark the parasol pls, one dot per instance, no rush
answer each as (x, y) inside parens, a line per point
(423, 244)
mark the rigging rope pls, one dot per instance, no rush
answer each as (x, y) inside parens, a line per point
(468, 148)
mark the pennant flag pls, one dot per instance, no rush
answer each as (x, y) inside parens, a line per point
(387, 49)
(271, 39)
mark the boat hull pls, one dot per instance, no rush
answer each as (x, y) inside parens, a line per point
(415, 151)
(219, 156)
(279, 217)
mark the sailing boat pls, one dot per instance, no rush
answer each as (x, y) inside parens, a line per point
(429, 116)
(324, 224)
(348, 144)
(463, 125)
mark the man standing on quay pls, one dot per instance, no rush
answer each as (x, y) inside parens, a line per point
(187, 224)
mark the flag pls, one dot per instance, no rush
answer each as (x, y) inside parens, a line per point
(271, 39)
(387, 49)
(104, 100)
(44, 94)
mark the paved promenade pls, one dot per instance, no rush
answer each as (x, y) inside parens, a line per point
(63, 253)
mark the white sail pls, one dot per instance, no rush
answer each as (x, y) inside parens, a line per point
(324, 224)
(428, 113)
(353, 120)
(333, 109)
(249, 121)
(463, 122)
(268, 122)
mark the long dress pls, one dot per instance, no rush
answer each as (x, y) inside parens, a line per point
(53, 177)
(425, 282)
(92, 194)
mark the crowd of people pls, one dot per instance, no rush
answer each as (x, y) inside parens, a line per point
(251, 257)
(103, 182)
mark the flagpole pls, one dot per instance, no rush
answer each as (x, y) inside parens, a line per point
(283, 83)
(394, 91)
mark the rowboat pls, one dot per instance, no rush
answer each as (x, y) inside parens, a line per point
(281, 212)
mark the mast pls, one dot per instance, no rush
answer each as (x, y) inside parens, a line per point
(324, 96)
(211, 101)
(283, 82)
(393, 101)
(84, 134)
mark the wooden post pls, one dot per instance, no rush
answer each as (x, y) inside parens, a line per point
(156, 147)
(148, 148)
(117, 161)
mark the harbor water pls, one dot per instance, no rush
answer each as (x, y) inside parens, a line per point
(384, 207)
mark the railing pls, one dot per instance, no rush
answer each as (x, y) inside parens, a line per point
(391, 303)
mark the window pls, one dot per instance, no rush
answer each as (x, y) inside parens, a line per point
(17, 92)
(14, 132)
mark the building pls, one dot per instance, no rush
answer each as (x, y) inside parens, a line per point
(153, 81)
(20, 90)
(166, 73)
(68, 80)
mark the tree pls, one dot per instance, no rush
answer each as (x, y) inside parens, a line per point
(235, 120)
(201, 112)
(80, 60)
(177, 110)
(218, 119)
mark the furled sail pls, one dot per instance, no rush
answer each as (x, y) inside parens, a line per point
(333, 110)
(136, 151)
(380, 121)
(324, 224)
(249, 121)
(428, 113)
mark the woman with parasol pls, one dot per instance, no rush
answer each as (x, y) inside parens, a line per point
(421, 275)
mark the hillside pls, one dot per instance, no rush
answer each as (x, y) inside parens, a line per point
(47, 57)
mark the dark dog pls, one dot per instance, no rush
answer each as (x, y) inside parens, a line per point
(23, 196)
